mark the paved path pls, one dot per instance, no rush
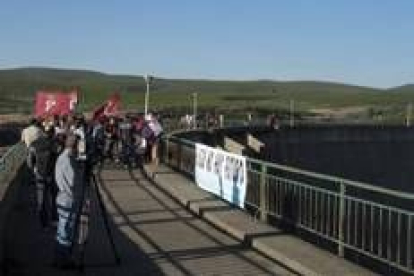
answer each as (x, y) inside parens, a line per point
(154, 235)
(295, 253)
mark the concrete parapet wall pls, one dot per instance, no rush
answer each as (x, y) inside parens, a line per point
(8, 198)
(380, 155)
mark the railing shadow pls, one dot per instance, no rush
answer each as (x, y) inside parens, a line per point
(171, 255)
(29, 249)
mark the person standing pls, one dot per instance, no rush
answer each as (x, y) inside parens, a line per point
(125, 134)
(69, 178)
(80, 129)
(155, 129)
(29, 135)
(43, 153)
(111, 138)
(97, 145)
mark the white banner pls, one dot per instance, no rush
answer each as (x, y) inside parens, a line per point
(221, 173)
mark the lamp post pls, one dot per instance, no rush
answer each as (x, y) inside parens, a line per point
(195, 109)
(408, 114)
(147, 79)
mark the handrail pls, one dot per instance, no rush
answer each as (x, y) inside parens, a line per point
(377, 223)
(373, 221)
(353, 183)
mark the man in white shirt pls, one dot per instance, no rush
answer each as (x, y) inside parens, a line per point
(29, 135)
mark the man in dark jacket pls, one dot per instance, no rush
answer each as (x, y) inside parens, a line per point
(42, 156)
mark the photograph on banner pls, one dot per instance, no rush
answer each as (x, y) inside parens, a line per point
(221, 173)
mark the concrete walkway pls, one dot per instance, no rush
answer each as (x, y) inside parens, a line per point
(153, 233)
(298, 255)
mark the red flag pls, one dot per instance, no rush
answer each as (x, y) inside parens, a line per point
(55, 103)
(110, 107)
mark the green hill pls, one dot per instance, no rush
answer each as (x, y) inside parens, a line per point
(18, 87)
(408, 88)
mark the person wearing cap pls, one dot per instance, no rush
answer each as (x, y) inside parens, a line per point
(68, 176)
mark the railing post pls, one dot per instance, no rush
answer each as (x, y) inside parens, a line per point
(410, 242)
(263, 193)
(179, 157)
(341, 220)
(166, 150)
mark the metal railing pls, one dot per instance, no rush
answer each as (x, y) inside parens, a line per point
(171, 125)
(10, 162)
(355, 217)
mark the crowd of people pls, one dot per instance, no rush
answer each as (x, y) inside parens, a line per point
(62, 151)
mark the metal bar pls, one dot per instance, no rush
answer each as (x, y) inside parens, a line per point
(372, 228)
(410, 243)
(363, 228)
(166, 150)
(389, 237)
(311, 208)
(328, 218)
(316, 211)
(380, 233)
(308, 208)
(341, 221)
(180, 156)
(399, 239)
(295, 206)
(280, 198)
(356, 224)
(270, 193)
(335, 218)
(263, 195)
(323, 210)
(300, 205)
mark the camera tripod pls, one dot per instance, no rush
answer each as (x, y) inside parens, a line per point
(82, 223)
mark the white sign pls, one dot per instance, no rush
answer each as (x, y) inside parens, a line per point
(221, 173)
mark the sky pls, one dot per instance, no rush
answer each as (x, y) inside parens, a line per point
(361, 42)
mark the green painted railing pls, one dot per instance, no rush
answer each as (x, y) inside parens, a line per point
(10, 162)
(355, 217)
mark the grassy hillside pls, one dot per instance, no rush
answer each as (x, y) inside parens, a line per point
(18, 87)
